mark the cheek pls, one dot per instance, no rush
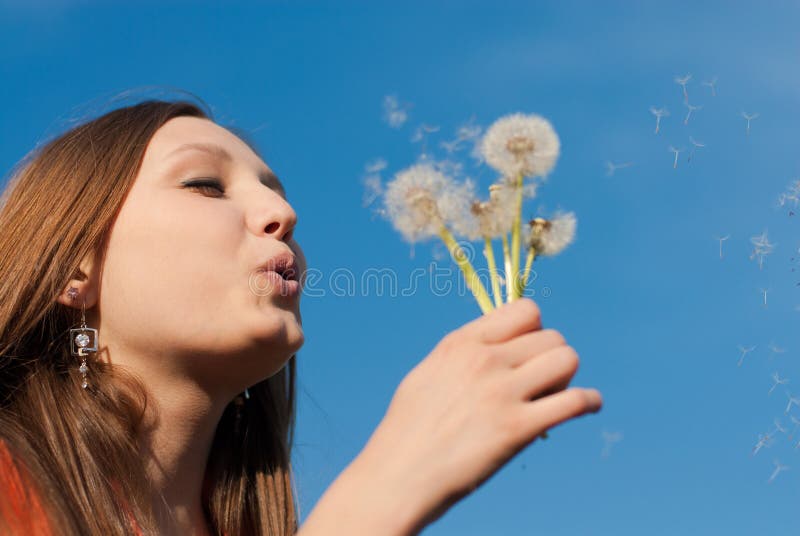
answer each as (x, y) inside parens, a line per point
(170, 276)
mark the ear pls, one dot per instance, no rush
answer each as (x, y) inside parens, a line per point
(85, 284)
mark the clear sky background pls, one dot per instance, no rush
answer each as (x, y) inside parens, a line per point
(642, 294)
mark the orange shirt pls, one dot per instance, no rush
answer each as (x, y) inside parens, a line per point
(21, 511)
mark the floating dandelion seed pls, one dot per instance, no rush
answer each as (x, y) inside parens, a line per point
(467, 132)
(763, 441)
(777, 381)
(659, 113)
(764, 292)
(793, 401)
(682, 81)
(744, 351)
(695, 145)
(795, 420)
(375, 166)
(609, 439)
(373, 189)
(775, 349)
(791, 195)
(691, 109)
(393, 113)
(778, 469)
(450, 146)
(712, 84)
(677, 152)
(761, 248)
(520, 144)
(749, 117)
(373, 185)
(721, 239)
(778, 426)
(612, 167)
(421, 134)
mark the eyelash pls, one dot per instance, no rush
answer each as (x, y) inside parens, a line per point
(208, 183)
(204, 184)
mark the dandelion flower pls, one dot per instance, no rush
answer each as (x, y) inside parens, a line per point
(421, 200)
(551, 237)
(521, 144)
(495, 216)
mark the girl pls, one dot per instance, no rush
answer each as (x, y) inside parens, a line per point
(150, 316)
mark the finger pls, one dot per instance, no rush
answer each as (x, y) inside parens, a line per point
(527, 346)
(548, 412)
(509, 320)
(545, 372)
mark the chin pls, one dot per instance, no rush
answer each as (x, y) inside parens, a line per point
(279, 329)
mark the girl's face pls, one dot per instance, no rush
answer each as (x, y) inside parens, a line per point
(182, 290)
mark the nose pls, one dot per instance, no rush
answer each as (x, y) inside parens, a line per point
(274, 216)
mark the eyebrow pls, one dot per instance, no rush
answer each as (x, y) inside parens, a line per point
(267, 177)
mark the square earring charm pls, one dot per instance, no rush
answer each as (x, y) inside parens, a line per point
(83, 339)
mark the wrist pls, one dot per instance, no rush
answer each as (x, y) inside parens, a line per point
(368, 498)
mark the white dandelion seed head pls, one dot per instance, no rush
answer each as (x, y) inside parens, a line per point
(494, 216)
(454, 206)
(520, 143)
(551, 237)
(421, 199)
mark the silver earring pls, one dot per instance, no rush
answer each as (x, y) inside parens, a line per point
(239, 403)
(83, 340)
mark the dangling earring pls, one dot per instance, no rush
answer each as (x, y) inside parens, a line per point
(239, 402)
(83, 340)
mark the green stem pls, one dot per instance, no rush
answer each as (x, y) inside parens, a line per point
(528, 262)
(473, 281)
(507, 261)
(515, 238)
(488, 252)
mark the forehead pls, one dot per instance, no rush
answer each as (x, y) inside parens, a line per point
(196, 131)
(181, 137)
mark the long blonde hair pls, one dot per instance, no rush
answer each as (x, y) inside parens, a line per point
(81, 451)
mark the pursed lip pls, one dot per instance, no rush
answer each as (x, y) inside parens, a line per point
(284, 264)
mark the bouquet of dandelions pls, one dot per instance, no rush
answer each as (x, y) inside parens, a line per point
(422, 202)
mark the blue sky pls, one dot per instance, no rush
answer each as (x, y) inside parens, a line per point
(642, 294)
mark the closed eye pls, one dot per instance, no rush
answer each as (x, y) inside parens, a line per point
(206, 185)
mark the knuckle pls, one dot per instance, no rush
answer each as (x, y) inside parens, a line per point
(554, 336)
(511, 425)
(449, 342)
(528, 307)
(579, 400)
(491, 354)
(570, 358)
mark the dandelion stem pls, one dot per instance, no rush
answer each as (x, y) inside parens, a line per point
(470, 276)
(507, 259)
(515, 240)
(488, 251)
(528, 262)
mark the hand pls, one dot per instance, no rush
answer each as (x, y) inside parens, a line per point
(485, 392)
